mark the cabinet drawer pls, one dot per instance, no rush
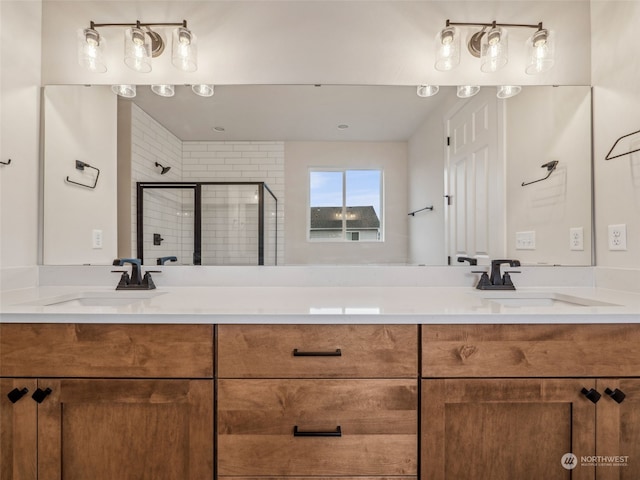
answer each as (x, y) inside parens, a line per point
(376, 420)
(530, 350)
(317, 351)
(87, 350)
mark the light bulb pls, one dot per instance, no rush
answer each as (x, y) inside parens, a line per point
(163, 90)
(466, 91)
(137, 50)
(427, 90)
(184, 53)
(202, 90)
(447, 49)
(90, 50)
(126, 91)
(493, 50)
(540, 52)
(507, 91)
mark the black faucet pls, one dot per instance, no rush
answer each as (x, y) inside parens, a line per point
(135, 281)
(162, 260)
(472, 261)
(495, 281)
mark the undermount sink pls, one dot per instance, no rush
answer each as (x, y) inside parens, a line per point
(96, 299)
(543, 299)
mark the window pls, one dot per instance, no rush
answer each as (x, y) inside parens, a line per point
(345, 205)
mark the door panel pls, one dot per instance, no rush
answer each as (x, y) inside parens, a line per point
(18, 433)
(503, 429)
(618, 430)
(126, 429)
(475, 180)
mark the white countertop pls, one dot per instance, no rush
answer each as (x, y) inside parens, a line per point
(320, 305)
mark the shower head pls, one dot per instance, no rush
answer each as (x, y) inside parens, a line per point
(164, 169)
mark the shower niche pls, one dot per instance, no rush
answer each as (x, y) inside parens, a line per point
(206, 223)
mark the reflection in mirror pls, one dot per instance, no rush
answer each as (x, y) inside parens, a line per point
(466, 158)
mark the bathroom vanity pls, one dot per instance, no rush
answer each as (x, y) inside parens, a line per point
(436, 383)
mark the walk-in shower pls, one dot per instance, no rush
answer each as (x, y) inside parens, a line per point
(207, 223)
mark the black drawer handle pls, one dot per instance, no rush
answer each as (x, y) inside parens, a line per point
(15, 394)
(298, 353)
(39, 395)
(617, 395)
(592, 394)
(333, 433)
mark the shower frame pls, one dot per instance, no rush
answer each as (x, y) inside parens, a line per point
(197, 218)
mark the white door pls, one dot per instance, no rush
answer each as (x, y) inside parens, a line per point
(475, 180)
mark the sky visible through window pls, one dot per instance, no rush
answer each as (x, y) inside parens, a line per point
(362, 188)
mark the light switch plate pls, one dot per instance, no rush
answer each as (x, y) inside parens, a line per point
(618, 237)
(526, 240)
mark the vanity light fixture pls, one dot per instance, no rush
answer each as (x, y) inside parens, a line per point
(508, 91)
(202, 90)
(141, 44)
(467, 91)
(427, 90)
(163, 90)
(490, 44)
(126, 91)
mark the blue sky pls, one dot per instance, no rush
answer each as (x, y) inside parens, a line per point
(363, 188)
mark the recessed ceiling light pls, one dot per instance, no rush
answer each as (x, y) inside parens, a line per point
(343, 126)
(219, 129)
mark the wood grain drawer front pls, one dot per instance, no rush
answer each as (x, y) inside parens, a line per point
(530, 350)
(377, 421)
(322, 351)
(88, 350)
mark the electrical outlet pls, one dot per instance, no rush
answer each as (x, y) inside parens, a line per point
(576, 238)
(526, 240)
(618, 237)
(96, 238)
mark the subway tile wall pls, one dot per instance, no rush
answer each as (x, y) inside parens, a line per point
(230, 215)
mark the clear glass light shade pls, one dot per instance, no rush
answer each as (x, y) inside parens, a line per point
(540, 52)
(427, 90)
(494, 50)
(184, 52)
(466, 91)
(126, 91)
(91, 50)
(202, 90)
(163, 90)
(137, 50)
(506, 91)
(447, 49)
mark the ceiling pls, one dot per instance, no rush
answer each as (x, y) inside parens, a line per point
(292, 112)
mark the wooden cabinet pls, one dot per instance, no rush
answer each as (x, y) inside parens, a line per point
(325, 401)
(121, 425)
(507, 401)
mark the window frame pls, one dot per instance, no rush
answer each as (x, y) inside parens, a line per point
(343, 237)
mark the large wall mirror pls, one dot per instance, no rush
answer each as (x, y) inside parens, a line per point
(448, 177)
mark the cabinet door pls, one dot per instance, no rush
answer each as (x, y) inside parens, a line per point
(618, 430)
(126, 429)
(317, 428)
(504, 429)
(18, 431)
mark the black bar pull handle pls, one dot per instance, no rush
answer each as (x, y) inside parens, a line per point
(331, 433)
(15, 394)
(616, 394)
(592, 394)
(298, 353)
(39, 395)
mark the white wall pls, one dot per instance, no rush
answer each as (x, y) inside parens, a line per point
(560, 121)
(19, 132)
(390, 157)
(348, 42)
(81, 124)
(616, 93)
